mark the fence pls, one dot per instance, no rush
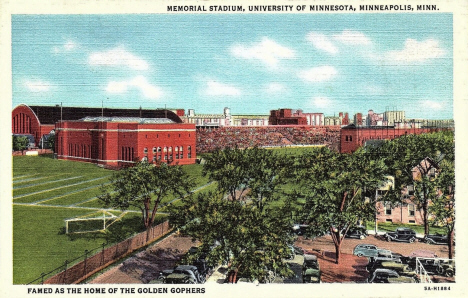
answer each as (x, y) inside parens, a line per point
(102, 257)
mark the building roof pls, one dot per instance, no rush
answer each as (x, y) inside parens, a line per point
(53, 114)
(129, 120)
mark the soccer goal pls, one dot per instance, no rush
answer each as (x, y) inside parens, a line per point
(94, 222)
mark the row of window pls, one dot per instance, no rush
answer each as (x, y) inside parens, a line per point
(167, 157)
(80, 150)
(167, 149)
(411, 209)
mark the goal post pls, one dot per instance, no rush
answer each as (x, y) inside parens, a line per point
(97, 221)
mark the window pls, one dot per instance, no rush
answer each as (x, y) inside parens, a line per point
(388, 220)
(411, 210)
(159, 149)
(145, 151)
(388, 209)
(410, 190)
(412, 221)
(154, 150)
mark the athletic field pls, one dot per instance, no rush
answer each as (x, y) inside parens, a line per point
(47, 191)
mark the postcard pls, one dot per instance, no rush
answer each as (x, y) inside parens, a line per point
(226, 148)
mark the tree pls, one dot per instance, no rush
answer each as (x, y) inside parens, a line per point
(415, 156)
(443, 204)
(51, 142)
(238, 225)
(254, 172)
(144, 186)
(20, 143)
(333, 186)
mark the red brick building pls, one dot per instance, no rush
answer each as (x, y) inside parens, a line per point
(286, 117)
(353, 137)
(121, 141)
(110, 137)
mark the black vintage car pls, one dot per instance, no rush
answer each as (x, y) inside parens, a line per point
(382, 275)
(358, 232)
(182, 274)
(447, 268)
(401, 235)
(436, 239)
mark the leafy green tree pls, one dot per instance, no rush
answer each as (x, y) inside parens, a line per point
(51, 142)
(333, 186)
(413, 156)
(20, 143)
(144, 186)
(443, 204)
(242, 224)
(255, 172)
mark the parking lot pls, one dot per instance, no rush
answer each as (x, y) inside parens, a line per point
(145, 266)
(352, 268)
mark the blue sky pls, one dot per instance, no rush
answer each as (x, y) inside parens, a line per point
(252, 63)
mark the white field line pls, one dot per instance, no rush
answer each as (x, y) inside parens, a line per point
(35, 179)
(25, 176)
(50, 189)
(56, 188)
(97, 209)
(69, 193)
(72, 207)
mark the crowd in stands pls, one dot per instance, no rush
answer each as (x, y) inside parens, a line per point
(209, 139)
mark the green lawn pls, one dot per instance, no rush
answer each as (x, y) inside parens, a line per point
(47, 191)
(390, 227)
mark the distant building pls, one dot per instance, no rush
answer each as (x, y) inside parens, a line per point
(295, 117)
(286, 117)
(225, 119)
(392, 117)
(407, 211)
(352, 137)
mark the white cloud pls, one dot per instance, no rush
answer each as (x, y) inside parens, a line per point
(67, 47)
(350, 37)
(117, 57)
(37, 86)
(433, 105)
(321, 102)
(139, 83)
(318, 74)
(322, 42)
(274, 88)
(267, 51)
(416, 51)
(214, 88)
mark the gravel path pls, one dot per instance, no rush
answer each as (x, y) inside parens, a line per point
(146, 265)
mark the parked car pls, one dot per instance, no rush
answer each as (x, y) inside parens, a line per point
(375, 263)
(176, 275)
(311, 270)
(401, 235)
(293, 251)
(358, 232)
(436, 239)
(383, 275)
(369, 250)
(299, 229)
(401, 269)
(446, 268)
(179, 278)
